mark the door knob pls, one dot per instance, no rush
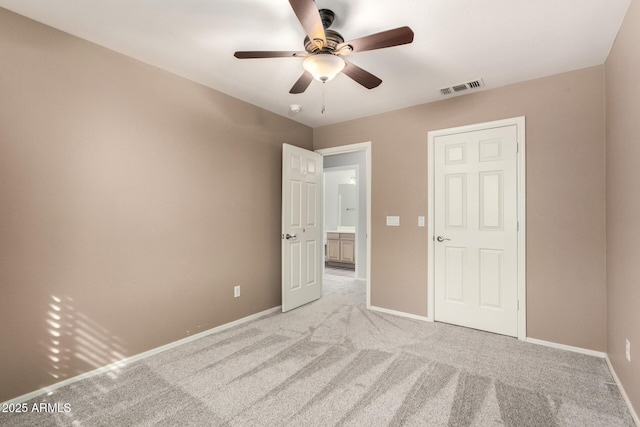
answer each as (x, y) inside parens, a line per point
(441, 239)
(291, 236)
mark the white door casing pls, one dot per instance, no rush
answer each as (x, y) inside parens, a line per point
(302, 243)
(476, 269)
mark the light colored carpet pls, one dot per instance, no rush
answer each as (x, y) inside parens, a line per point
(337, 271)
(332, 362)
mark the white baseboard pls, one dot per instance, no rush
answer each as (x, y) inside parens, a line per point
(634, 415)
(400, 313)
(128, 360)
(567, 347)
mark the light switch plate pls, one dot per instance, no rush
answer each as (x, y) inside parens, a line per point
(420, 221)
(393, 221)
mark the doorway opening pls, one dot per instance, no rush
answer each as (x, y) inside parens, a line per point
(347, 201)
(341, 213)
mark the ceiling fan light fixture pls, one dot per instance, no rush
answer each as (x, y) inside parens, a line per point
(324, 66)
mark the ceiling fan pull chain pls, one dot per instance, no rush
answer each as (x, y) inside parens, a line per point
(323, 106)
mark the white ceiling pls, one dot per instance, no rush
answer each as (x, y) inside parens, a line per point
(499, 41)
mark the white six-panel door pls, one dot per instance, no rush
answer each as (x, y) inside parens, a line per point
(302, 250)
(475, 229)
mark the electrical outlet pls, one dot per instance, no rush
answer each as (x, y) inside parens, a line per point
(236, 291)
(627, 351)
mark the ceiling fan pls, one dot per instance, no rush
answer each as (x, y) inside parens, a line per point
(325, 49)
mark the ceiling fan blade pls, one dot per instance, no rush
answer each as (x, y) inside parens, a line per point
(361, 76)
(395, 37)
(254, 54)
(309, 17)
(303, 83)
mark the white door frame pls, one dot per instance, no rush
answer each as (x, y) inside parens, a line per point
(519, 122)
(366, 147)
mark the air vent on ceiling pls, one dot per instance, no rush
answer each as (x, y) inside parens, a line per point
(473, 84)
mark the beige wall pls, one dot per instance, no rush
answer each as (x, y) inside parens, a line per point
(623, 203)
(130, 199)
(565, 198)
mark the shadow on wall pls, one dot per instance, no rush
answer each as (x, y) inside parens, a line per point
(75, 339)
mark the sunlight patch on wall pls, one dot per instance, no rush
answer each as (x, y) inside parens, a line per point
(74, 337)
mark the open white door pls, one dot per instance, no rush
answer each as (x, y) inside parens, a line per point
(302, 243)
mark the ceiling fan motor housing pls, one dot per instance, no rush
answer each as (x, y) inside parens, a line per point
(333, 38)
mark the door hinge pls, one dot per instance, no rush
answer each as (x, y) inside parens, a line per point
(518, 305)
(517, 147)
